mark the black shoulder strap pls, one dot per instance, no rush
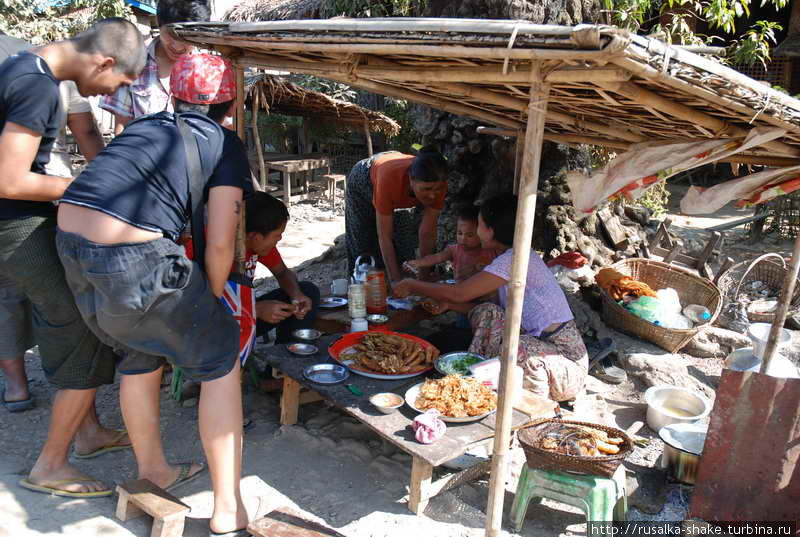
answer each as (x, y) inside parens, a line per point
(196, 186)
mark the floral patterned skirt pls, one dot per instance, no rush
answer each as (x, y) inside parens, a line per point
(554, 366)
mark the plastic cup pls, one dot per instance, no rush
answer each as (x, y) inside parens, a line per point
(759, 335)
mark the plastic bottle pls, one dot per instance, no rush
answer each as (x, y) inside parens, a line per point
(697, 313)
(376, 291)
(357, 301)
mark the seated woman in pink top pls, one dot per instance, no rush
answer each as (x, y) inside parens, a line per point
(551, 351)
(467, 255)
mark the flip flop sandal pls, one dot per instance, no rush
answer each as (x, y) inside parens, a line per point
(17, 406)
(51, 488)
(113, 446)
(601, 365)
(184, 477)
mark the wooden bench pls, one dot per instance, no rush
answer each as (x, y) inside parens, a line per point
(140, 497)
(333, 179)
(287, 524)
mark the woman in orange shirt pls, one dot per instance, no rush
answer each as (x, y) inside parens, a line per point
(376, 188)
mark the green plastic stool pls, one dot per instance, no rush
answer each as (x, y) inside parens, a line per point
(602, 499)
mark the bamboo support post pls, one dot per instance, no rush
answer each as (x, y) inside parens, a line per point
(526, 207)
(368, 136)
(262, 167)
(519, 152)
(783, 307)
(239, 251)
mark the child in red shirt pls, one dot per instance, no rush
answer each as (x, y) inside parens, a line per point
(466, 255)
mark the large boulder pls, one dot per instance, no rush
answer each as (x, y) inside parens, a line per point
(655, 370)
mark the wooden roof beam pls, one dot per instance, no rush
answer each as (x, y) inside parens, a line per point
(647, 98)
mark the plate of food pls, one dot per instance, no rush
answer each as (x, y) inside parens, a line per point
(457, 363)
(383, 354)
(458, 399)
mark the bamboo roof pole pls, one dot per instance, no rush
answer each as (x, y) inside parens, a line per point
(643, 96)
(239, 250)
(526, 208)
(519, 153)
(783, 308)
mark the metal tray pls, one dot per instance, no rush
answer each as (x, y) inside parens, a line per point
(331, 302)
(302, 349)
(307, 334)
(326, 373)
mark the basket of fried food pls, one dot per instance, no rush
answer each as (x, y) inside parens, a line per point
(380, 354)
(574, 446)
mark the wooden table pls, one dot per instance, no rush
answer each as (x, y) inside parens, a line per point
(394, 428)
(287, 167)
(334, 320)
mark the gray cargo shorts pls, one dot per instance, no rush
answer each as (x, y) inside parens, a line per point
(16, 334)
(150, 304)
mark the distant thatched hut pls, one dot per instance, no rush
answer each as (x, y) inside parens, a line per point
(267, 10)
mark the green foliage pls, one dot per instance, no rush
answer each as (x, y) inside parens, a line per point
(38, 23)
(656, 199)
(337, 90)
(380, 8)
(400, 111)
(752, 47)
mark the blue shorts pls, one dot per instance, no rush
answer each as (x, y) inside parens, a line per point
(151, 304)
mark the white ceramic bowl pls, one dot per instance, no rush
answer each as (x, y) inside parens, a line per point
(387, 402)
(672, 404)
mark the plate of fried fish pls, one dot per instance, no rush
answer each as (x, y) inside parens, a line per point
(382, 354)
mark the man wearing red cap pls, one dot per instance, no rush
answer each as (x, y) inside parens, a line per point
(135, 288)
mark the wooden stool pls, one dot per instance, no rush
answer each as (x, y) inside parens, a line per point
(140, 497)
(287, 524)
(333, 179)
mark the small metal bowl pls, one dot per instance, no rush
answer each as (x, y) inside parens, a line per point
(302, 349)
(377, 318)
(326, 373)
(387, 402)
(307, 334)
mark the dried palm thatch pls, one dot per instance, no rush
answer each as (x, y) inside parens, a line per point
(608, 87)
(268, 10)
(278, 95)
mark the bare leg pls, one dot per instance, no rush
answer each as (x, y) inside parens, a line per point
(69, 409)
(221, 434)
(141, 409)
(92, 435)
(16, 388)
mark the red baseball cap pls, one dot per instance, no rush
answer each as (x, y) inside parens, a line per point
(202, 79)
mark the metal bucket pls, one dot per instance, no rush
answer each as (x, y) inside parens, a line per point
(683, 444)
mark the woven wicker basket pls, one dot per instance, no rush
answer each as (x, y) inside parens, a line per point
(691, 289)
(529, 439)
(768, 268)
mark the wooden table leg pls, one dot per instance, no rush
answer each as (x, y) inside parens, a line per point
(287, 188)
(290, 401)
(419, 488)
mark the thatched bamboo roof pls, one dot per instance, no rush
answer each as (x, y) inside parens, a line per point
(268, 10)
(608, 87)
(278, 95)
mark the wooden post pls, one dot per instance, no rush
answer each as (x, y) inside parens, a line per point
(239, 251)
(783, 307)
(526, 208)
(519, 151)
(262, 168)
(369, 138)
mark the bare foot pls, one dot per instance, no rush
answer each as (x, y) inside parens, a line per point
(66, 478)
(99, 438)
(225, 521)
(169, 478)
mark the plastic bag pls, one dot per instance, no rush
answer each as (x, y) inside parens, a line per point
(646, 307)
(669, 300)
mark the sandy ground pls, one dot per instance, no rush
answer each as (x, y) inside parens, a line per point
(328, 467)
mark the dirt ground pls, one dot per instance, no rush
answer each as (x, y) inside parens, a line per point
(328, 467)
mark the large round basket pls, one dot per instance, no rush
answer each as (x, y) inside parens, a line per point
(691, 289)
(537, 457)
(768, 268)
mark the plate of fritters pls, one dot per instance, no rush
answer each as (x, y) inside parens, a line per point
(458, 399)
(382, 354)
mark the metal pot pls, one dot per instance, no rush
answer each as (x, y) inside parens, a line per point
(673, 404)
(683, 444)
